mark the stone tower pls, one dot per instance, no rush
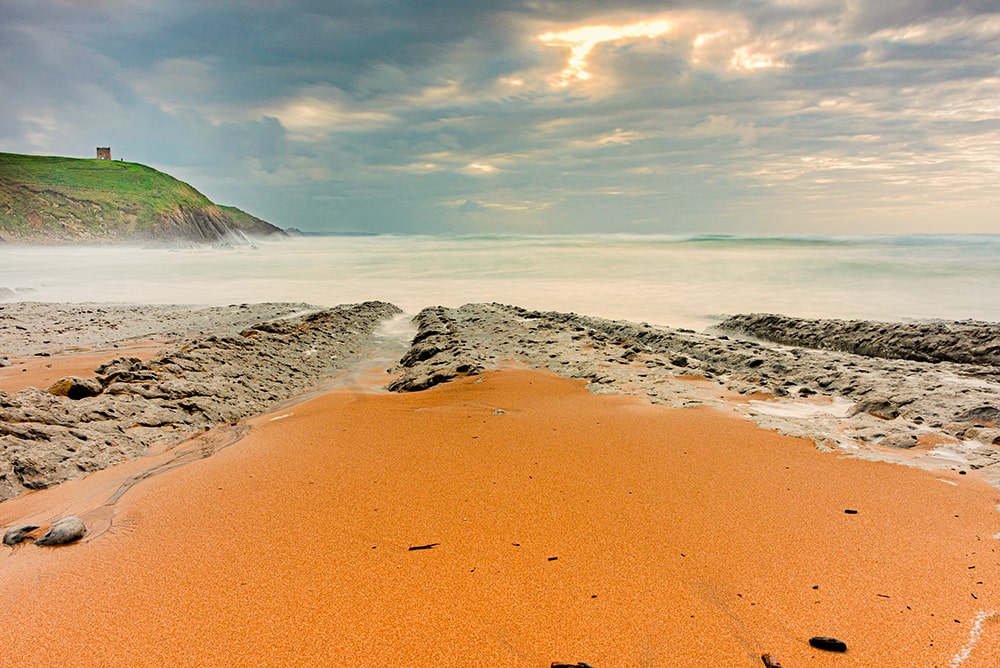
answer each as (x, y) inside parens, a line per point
(104, 153)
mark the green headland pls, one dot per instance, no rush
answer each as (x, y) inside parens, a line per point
(48, 199)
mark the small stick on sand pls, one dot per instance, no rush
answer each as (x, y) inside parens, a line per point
(422, 547)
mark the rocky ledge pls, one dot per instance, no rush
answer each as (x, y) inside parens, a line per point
(223, 368)
(965, 342)
(84, 424)
(838, 399)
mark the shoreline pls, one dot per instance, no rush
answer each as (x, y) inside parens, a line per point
(627, 512)
(948, 414)
(220, 364)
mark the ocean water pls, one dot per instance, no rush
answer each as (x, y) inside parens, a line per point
(668, 280)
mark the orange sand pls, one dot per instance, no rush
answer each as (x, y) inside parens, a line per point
(43, 371)
(572, 528)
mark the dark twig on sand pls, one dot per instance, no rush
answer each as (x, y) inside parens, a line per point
(422, 547)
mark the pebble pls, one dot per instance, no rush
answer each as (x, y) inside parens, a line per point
(828, 644)
(16, 535)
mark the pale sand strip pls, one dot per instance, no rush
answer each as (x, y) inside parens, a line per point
(681, 537)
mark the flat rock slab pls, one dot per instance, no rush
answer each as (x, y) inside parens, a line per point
(32, 328)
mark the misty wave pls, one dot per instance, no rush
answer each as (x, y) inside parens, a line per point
(682, 281)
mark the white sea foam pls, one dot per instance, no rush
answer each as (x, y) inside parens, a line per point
(948, 456)
(839, 407)
(974, 634)
(400, 328)
(680, 282)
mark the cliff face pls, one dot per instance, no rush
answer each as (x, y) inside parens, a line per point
(251, 225)
(69, 200)
(196, 224)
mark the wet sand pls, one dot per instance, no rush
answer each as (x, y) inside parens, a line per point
(563, 527)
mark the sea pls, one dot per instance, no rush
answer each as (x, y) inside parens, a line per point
(678, 281)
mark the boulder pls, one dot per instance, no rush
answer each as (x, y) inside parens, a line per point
(75, 388)
(899, 440)
(877, 406)
(984, 435)
(64, 531)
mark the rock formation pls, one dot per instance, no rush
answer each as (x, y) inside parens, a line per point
(965, 342)
(80, 425)
(849, 398)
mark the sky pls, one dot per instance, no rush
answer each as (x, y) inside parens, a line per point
(748, 117)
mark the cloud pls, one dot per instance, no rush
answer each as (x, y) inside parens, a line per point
(541, 115)
(582, 40)
(720, 126)
(319, 112)
(175, 84)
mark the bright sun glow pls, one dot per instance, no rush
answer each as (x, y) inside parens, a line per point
(743, 59)
(582, 40)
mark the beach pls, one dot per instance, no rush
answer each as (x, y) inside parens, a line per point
(540, 488)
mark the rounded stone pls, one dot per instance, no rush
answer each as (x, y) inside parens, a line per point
(16, 535)
(66, 530)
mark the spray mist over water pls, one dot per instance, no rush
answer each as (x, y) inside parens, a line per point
(681, 282)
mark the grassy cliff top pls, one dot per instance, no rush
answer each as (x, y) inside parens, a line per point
(55, 199)
(100, 181)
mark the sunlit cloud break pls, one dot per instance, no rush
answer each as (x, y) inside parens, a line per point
(743, 59)
(481, 167)
(581, 41)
